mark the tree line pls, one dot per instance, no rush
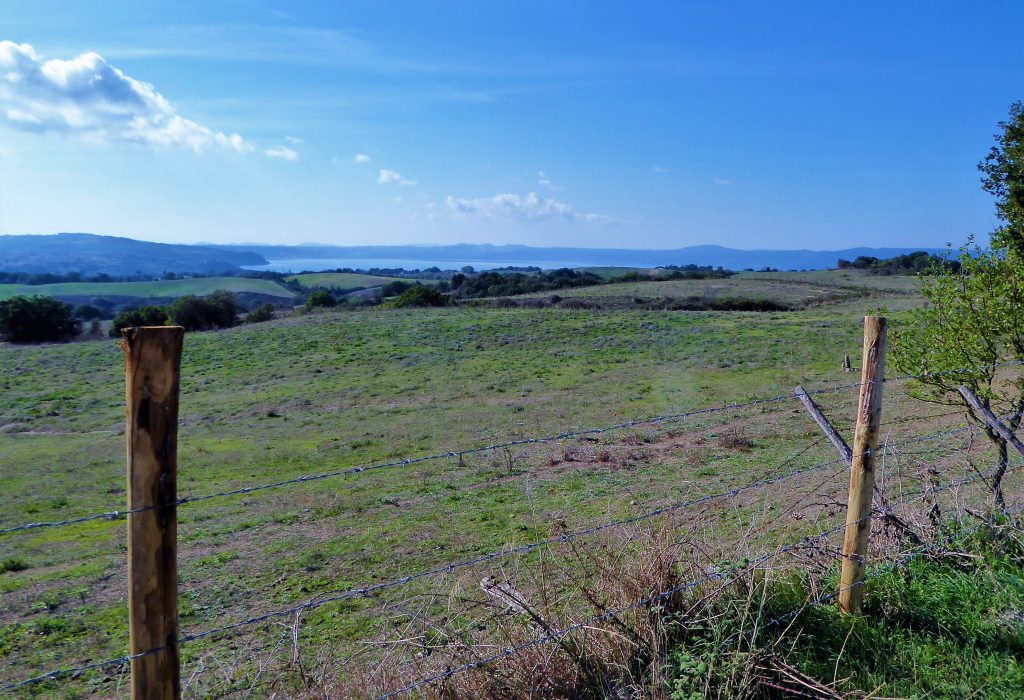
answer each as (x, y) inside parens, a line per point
(34, 319)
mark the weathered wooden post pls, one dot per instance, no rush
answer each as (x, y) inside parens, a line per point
(152, 369)
(862, 468)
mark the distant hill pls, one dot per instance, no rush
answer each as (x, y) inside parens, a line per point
(91, 255)
(715, 255)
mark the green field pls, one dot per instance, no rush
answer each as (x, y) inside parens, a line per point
(342, 280)
(333, 390)
(157, 289)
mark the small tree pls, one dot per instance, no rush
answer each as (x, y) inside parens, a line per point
(320, 298)
(421, 295)
(974, 320)
(264, 312)
(216, 310)
(36, 319)
(146, 316)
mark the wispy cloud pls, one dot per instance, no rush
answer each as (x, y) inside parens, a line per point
(544, 181)
(293, 139)
(361, 158)
(531, 207)
(393, 177)
(282, 152)
(87, 96)
(722, 182)
(660, 169)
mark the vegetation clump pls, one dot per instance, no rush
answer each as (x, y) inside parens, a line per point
(421, 295)
(498, 284)
(263, 312)
(146, 316)
(216, 310)
(909, 264)
(320, 299)
(36, 319)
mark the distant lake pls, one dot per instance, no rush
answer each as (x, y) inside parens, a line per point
(319, 264)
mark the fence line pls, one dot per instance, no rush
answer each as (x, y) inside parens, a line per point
(665, 418)
(452, 566)
(722, 574)
(901, 560)
(802, 543)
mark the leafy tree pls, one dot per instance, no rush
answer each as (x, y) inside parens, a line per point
(974, 319)
(421, 295)
(1003, 170)
(264, 312)
(36, 319)
(87, 312)
(146, 316)
(216, 310)
(320, 298)
(393, 289)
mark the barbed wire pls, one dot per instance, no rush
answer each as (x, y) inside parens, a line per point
(721, 574)
(320, 602)
(664, 418)
(901, 561)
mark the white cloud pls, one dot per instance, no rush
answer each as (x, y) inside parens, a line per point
(281, 152)
(393, 177)
(722, 182)
(659, 169)
(361, 158)
(544, 181)
(531, 207)
(293, 139)
(89, 97)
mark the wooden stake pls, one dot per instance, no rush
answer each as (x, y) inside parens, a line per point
(862, 470)
(152, 369)
(845, 453)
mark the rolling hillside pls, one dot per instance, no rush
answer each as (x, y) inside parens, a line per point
(146, 290)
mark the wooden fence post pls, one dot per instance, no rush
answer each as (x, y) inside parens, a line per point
(862, 468)
(152, 368)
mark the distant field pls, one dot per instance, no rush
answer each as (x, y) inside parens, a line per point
(342, 280)
(161, 288)
(842, 278)
(609, 272)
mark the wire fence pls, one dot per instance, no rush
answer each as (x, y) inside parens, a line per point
(453, 566)
(450, 567)
(559, 437)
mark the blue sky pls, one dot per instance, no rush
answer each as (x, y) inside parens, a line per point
(642, 125)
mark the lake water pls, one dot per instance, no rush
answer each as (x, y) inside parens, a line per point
(318, 264)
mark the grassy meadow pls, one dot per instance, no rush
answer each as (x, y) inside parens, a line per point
(341, 280)
(331, 390)
(156, 288)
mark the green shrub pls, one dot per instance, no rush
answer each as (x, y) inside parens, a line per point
(320, 298)
(260, 314)
(13, 564)
(36, 319)
(421, 295)
(216, 310)
(393, 289)
(146, 316)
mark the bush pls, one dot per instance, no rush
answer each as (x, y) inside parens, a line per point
(85, 312)
(217, 310)
(260, 314)
(36, 319)
(393, 289)
(13, 564)
(320, 298)
(421, 295)
(146, 316)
